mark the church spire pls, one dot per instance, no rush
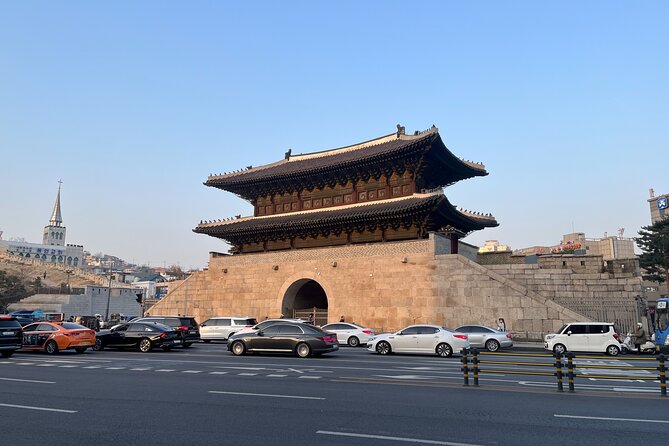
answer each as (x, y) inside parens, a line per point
(56, 218)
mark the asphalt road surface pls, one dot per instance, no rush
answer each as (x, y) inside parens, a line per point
(206, 396)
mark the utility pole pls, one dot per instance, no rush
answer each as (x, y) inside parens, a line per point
(108, 292)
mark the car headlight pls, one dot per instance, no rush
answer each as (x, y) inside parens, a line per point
(550, 336)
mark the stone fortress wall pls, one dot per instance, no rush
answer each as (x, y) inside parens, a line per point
(388, 286)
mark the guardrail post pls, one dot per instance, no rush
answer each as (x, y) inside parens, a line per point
(558, 371)
(663, 376)
(475, 362)
(570, 370)
(465, 369)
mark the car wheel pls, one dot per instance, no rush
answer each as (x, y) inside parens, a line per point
(80, 349)
(186, 344)
(383, 348)
(444, 350)
(302, 350)
(612, 350)
(492, 345)
(145, 345)
(7, 354)
(353, 341)
(559, 349)
(51, 348)
(238, 348)
(98, 345)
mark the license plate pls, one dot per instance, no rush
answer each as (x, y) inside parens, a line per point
(7, 333)
(177, 341)
(193, 332)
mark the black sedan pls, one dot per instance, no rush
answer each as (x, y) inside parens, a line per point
(142, 335)
(300, 339)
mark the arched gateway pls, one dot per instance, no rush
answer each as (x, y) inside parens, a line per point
(303, 297)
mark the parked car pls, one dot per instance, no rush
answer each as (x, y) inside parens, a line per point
(221, 328)
(428, 339)
(481, 336)
(52, 337)
(266, 323)
(11, 335)
(350, 334)
(300, 339)
(142, 335)
(187, 327)
(91, 322)
(593, 337)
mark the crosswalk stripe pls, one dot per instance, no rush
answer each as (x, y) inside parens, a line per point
(247, 374)
(191, 371)
(218, 373)
(276, 376)
(310, 377)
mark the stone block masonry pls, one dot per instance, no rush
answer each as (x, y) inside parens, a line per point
(382, 286)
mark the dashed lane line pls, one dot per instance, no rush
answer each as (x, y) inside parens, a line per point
(310, 377)
(247, 374)
(191, 371)
(268, 395)
(46, 409)
(27, 381)
(218, 373)
(276, 376)
(389, 438)
(165, 370)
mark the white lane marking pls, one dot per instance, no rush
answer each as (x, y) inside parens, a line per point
(114, 368)
(46, 409)
(164, 370)
(93, 367)
(67, 366)
(404, 439)
(277, 376)
(310, 377)
(218, 373)
(46, 365)
(269, 395)
(141, 369)
(611, 419)
(628, 389)
(24, 363)
(191, 371)
(28, 381)
(407, 376)
(246, 374)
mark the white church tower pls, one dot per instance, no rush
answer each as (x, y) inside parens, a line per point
(54, 232)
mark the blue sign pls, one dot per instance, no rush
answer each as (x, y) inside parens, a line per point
(662, 203)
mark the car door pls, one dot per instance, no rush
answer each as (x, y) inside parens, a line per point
(427, 339)
(133, 334)
(475, 339)
(406, 340)
(116, 337)
(289, 336)
(32, 337)
(578, 339)
(479, 335)
(598, 337)
(264, 339)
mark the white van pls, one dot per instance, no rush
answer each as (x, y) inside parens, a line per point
(221, 328)
(591, 337)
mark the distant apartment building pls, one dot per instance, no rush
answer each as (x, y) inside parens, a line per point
(493, 246)
(609, 247)
(659, 206)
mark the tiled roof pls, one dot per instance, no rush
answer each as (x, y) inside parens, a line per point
(394, 146)
(350, 214)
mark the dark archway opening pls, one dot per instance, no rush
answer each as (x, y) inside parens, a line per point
(303, 298)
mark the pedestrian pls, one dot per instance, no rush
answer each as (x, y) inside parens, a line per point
(311, 319)
(45, 274)
(342, 319)
(501, 325)
(639, 337)
(282, 316)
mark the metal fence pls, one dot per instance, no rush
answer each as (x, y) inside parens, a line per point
(622, 312)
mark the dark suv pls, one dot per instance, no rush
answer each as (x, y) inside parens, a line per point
(186, 326)
(11, 335)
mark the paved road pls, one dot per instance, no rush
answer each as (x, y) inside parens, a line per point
(204, 396)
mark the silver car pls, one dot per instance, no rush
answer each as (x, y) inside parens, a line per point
(481, 336)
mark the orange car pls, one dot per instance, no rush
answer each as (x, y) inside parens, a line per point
(55, 336)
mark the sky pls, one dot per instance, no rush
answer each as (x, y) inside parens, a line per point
(133, 104)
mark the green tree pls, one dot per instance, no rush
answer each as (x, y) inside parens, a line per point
(654, 242)
(12, 289)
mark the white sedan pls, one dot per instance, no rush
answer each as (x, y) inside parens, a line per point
(350, 334)
(427, 339)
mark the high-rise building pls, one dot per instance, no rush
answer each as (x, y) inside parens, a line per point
(659, 206)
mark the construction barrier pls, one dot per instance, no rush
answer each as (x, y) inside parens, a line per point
(475, 362)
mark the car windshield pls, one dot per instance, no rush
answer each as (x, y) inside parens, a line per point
(188, 321)
(562, 328)
(73, 326)
(5, 323)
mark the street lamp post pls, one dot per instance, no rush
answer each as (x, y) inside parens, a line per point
(108, 292)
(68, 272)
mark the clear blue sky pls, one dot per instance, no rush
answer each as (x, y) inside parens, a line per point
(133, 104)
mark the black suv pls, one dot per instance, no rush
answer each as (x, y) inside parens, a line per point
(186, 326)
(11, 335)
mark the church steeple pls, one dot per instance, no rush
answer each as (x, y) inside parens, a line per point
(56, 218)
(54, 232)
